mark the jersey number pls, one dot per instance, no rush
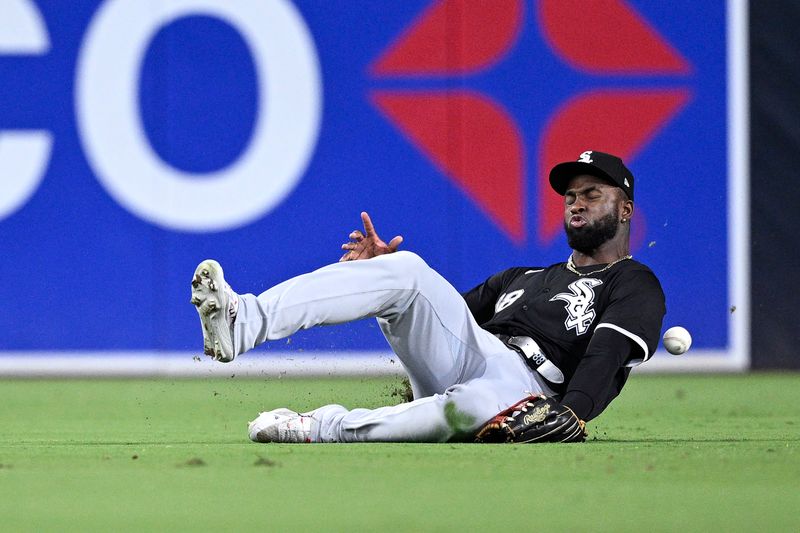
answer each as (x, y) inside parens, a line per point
(507, 299)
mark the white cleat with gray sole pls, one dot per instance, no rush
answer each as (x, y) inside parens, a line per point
(216, 304)
(281, 425)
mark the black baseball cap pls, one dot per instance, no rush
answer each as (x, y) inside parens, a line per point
(594, 163)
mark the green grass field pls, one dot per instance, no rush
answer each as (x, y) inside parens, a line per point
(690, 453)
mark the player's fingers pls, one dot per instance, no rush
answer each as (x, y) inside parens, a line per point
(345, 257)
(394, 243)
(368, 227)
(349, 246)
(356, 235)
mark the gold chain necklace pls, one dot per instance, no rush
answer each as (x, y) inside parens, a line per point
(571, 266)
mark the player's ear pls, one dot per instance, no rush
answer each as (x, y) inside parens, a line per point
(626, 209)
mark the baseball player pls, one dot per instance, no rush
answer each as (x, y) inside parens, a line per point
(563, 338)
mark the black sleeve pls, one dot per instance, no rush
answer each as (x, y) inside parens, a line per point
(482, 299)
(600, 374)
(627, 334)
(636, 309)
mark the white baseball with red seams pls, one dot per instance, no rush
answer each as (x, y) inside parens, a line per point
(677, 340)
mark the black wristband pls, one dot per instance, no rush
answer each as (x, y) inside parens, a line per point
(580, 402)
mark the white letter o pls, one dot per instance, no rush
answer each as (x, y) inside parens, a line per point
(24, 154)
(284, 134)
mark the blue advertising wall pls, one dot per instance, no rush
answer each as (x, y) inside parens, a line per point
(138, 138)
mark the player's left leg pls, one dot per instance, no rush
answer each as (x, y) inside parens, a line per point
(455, 414)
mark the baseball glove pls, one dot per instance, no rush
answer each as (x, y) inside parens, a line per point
(534, 419)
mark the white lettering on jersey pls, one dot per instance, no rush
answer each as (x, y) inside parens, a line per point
(579, 304)
(586, 157)
(507, 299)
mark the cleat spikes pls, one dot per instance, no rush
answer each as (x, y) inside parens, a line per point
(216, 306)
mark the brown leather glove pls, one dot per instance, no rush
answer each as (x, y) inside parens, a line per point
(534, 419)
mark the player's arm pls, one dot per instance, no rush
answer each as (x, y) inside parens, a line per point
(482, 299)
(543, 419)
(626, 334)
(367, 244)
(593, 385)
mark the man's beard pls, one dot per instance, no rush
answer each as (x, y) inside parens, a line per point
(590, 237)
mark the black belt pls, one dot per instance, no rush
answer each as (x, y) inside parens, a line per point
(534, 357)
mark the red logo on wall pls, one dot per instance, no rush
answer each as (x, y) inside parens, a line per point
(477, 143)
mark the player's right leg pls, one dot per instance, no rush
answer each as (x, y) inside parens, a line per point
(423, 317)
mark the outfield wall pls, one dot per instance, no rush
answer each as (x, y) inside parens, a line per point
(138, 138)
(775, 118)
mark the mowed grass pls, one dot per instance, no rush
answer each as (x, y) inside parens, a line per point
(689, 453)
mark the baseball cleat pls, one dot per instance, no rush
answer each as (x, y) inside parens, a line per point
(216, 304)
(281, 425)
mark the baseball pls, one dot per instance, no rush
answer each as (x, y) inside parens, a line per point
(677, 340)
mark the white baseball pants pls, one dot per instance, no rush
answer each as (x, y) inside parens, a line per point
(461, 374)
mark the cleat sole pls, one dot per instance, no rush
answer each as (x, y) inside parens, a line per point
(209, 301)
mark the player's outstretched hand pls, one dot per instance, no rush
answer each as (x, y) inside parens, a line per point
(363, 246)
(534, 419)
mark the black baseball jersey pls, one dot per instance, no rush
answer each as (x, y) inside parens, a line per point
(593, 327)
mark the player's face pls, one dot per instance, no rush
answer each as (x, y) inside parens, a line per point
(591, 212)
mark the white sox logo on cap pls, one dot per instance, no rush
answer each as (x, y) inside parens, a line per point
(594, 163)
